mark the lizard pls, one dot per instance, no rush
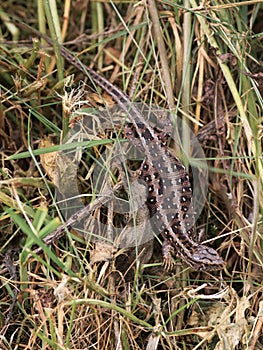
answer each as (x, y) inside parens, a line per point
(169, 198)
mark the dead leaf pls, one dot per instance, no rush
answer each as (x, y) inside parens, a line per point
(48, 160)
(110, 53)
(102, 252)
(103, 99)
(228, 57)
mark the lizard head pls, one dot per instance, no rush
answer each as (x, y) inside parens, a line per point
(206, 259)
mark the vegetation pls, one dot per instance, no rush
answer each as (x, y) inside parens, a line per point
(203, 61)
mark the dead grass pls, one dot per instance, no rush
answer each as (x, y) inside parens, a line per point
(206, 65)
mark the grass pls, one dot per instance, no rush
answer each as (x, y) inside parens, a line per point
(204, 63)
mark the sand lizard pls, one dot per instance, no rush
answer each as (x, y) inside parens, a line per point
(169, 199)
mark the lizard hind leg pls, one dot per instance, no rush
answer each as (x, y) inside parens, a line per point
(168, 252)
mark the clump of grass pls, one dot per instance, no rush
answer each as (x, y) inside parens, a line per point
(204, 63)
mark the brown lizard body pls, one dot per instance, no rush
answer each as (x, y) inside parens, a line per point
(169, 197)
